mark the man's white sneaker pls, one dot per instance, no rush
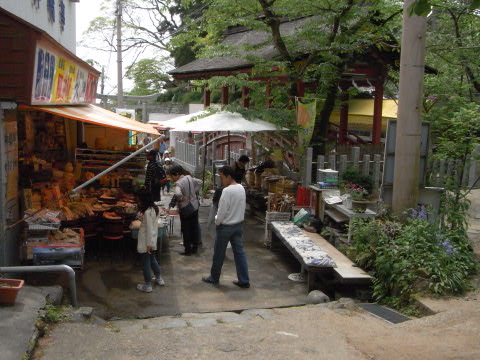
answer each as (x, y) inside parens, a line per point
(144, 287)
(159, 281)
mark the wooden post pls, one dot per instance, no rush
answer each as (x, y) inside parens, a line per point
(343, 165)
(472, 176)
(206, 98)
(245, 97)
(332, 162)
(268, 94)
(355, 156)
(300, 88)
(409, 124)
(376, 170)
(366, 165)
(377, 113)
(320, 162)
(342, 135)
(224, 95)
(308, 167)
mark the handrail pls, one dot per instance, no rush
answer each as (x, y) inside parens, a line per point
(48, 268)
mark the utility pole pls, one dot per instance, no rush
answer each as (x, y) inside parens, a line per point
(409, 122)
(102, 86)
(120, 102)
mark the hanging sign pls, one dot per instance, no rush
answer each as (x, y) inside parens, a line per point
(58, 80)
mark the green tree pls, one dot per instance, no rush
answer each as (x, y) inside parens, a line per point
(148, 75)
(333, 36)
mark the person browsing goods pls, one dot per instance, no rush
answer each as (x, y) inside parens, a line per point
(229, 222)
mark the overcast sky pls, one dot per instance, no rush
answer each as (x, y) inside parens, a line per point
(86, 11)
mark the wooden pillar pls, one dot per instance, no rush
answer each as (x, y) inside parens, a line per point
(342, 135)
(268, 94)
(300, 88)
(245, 97)
(377, 113)
(409, 123)
(224, 95)
(206, 98)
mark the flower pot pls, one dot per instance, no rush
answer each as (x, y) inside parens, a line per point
(8, 290)
(360, 205)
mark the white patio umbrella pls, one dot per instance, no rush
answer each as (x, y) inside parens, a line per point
(205, 121)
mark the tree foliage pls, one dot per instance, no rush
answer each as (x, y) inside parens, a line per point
(148, 75)
(332, 36)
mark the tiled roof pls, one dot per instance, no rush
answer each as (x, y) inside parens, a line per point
(238, 39)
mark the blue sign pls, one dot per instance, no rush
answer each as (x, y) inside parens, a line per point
(62, 15)
(51, 10)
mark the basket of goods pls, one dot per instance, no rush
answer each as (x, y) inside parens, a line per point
(285, 187)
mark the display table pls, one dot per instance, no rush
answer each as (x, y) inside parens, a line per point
(340, 213)
(313, 258)
(317, 255)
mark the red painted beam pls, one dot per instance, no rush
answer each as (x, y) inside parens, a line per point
(206, 98)
(245, 97)
(224, 95)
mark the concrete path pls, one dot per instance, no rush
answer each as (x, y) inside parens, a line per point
(17, 323)
(110, 288)
(337, 330)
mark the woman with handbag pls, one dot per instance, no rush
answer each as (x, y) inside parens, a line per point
(186, 189)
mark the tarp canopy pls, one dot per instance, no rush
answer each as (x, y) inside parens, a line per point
(360, 114)
(204, 121)
(94, 115)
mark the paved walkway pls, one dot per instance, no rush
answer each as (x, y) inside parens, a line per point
(110, 288)
(331, 331)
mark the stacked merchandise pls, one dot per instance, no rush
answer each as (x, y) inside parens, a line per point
(279, 208)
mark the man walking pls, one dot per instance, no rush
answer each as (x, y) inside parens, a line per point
(229, 221)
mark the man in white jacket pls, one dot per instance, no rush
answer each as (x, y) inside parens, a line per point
(229, 221)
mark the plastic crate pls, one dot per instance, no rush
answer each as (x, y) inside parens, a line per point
(271, 216)
(303, 197)
(327, 176)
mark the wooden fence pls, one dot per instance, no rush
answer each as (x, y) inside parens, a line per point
(439, 172)
(371, 165)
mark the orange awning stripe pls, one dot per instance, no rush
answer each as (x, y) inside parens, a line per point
(94, 115)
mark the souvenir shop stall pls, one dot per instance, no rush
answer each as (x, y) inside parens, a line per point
(97, 220)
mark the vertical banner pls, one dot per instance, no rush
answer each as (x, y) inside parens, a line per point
(306, 113)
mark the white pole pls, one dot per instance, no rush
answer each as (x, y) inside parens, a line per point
(119, 56)
(113, 167)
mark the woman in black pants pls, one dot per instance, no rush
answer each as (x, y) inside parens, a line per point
(186, 190)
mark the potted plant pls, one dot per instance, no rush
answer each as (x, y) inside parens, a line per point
(9, 289)
(359, 197)
(359, 187)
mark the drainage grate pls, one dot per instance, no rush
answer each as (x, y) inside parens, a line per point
(386, 314)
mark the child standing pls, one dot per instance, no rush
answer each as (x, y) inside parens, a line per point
(147, 240)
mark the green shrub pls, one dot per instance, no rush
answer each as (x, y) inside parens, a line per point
(412, 257)
(353, 176)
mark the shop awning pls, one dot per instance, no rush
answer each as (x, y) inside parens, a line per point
(94, 115)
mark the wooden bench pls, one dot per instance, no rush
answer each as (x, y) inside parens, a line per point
(316, 255)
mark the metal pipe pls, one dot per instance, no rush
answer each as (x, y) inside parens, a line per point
(48, 268)
(113, 167)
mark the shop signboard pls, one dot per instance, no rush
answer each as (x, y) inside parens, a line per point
(59, 80)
